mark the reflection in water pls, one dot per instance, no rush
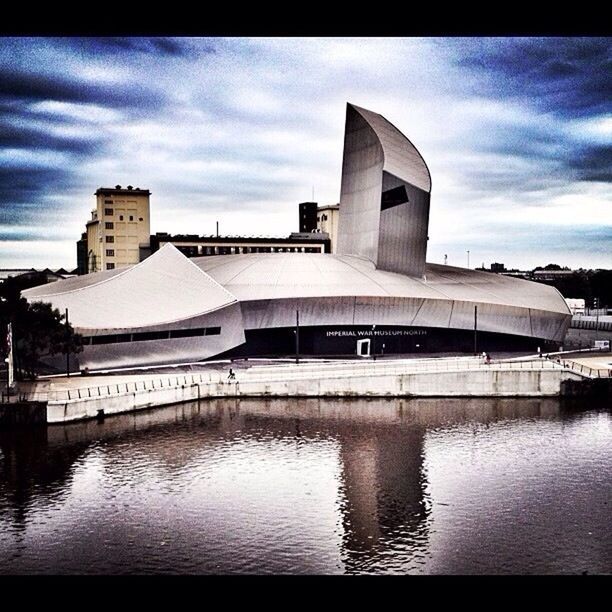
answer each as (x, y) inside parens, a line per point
(296, 486)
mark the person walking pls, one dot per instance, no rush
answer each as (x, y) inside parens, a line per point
(231, 375)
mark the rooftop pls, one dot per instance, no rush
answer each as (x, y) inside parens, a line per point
(117, 189)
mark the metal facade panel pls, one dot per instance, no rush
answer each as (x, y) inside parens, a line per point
(491, 318)
(401, 157)
(386, 311)
(433, 313)
(361, 188)
(378, 157)
(546, 326)
(403, 231)
(313, 312)
(175, 350)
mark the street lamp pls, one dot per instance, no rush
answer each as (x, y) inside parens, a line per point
(373, 343)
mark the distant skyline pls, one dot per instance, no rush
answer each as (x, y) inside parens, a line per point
(516, 132)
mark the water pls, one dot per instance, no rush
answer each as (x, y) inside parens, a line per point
(314, 486)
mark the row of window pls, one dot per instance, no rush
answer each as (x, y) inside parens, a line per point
(193, 251)
(109, 224)
(154, 335)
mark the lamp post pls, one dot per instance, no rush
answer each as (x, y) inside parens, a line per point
(468, 259)
(475, 330)
(373, 343)
(67, 343)
(297, 336)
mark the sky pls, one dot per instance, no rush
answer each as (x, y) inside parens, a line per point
(516, 133)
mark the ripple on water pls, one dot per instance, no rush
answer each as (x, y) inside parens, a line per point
(377, 486)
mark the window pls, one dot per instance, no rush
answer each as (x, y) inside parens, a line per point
(131, 217)
(108, 201)
(140, 218)
(187, 333)
(109, 338)
(120, 217)
(323, 217)
(110, 266)
(110, 239)
(141, 336)
(108, 211)
(153, 335)
(109, 225)
(110, 252)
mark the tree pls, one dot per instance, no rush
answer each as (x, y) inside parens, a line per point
(38, 330)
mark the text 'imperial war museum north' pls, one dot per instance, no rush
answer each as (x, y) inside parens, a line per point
(374, 293)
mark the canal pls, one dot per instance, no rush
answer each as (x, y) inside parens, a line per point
(422, 486)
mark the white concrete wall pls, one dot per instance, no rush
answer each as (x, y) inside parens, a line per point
(475, 383)
(479, 383)
(73, 410)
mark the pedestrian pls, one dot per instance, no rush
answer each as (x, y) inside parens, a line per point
(231, 375)
(487, 358)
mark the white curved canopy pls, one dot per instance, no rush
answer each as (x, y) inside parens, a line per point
(165, 287)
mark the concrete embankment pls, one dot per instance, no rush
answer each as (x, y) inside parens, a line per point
(463, 377)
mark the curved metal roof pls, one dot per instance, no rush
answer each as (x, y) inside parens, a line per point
(401, 157)
(163, 288)
(169, 287)
(293, 275)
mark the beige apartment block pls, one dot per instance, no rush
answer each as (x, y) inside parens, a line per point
(119, 228)
(327, 221)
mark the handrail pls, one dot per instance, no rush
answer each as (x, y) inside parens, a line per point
(296, 372)
(581, 368)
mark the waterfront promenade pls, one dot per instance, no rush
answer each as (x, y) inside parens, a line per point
(96, 396)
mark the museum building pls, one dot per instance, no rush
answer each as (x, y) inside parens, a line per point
(375, 295)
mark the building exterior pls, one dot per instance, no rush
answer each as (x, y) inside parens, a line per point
(308, 216)
(551, 275)
(320, 219)
(375, 295)
(576, 305)
(118, 229)
(192, 245)
(81, 248)
(327, 223)
(32, 277)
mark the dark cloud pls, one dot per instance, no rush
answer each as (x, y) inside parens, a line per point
(568, 76)
(549, 151)
(31, 87)
(25, 234)
(593, 163)
(16, 137)
(22, 188)
(159, 46)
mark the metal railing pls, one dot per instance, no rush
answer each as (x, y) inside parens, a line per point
(125, 388)
(380, 369)
(344, 370)
(590, 324)
(580, 368)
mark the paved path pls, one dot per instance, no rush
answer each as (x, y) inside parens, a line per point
(595, 361)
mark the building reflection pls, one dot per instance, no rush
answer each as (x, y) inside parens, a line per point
(382, 490)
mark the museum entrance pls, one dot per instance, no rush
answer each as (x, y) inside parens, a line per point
(363, 348)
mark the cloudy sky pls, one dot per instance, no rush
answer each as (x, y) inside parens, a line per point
(516, 132)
